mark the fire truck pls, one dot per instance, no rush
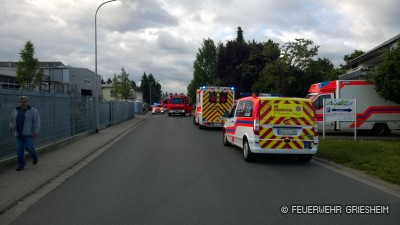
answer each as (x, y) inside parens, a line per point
(212, 103)
(374, 114)
(179, 104)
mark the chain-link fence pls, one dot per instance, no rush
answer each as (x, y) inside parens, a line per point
(62, 117)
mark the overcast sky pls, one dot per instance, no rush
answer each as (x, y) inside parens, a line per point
(162, 37)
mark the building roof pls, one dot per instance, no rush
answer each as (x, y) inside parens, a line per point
(373, 53)
(11, 64)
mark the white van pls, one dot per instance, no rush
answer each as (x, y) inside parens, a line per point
(272, 125)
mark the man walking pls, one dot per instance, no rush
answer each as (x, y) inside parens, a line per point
(25, 122)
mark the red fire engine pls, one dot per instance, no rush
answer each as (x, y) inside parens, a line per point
(179, 104)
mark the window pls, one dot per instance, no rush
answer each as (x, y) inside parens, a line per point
(244, 109)
(223, 97)
(176, 100)
(319, 102)
(212, 97)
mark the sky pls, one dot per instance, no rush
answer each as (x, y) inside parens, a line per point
(162, 37)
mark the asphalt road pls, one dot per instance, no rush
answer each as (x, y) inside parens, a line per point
(167, 171)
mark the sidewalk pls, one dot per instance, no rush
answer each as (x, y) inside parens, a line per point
(15, 186)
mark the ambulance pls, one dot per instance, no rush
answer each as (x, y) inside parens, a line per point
(374, 114)
(212, 103)
(272, 125)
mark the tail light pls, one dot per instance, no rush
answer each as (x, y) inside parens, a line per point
(256, 126)
(316, 129)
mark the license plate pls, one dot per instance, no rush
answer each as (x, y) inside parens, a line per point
(285, 132)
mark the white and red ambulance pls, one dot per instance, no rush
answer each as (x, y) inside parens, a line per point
(211, 104)
(374, 114)
(272, 125)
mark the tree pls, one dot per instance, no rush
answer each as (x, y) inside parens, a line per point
(297, 57)
(347, 58)
(230, 68)
(204, 67)
(239, 36)
(386, 75)
(109, 81)
(147, 84)
(28, 73)
(122, 85)
(261, 55)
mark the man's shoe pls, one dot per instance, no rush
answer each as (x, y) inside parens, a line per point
(35, 160)
(19, 168)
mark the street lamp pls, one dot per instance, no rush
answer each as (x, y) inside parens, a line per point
(95, 70)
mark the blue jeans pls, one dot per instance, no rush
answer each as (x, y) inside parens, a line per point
(25, 142)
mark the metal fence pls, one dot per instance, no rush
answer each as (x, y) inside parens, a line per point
(62, 117)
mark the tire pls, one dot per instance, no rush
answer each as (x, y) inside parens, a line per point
(169, 114)
(380, 129)
(247, 154)
(225, 138)
(305, 158)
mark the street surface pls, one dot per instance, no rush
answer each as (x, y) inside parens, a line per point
(167, 171)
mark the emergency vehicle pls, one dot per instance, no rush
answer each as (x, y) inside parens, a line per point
(179, 104)
(272, 125)
(374, 113)
(211, 104)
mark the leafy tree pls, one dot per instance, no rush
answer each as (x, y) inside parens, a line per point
(148, 83)
(204, 67)
(122, 85)
(299, 54)
(386, 75)
(230, 68)
(297, 57)
(347, 58)
(28, 73)
(261, 55)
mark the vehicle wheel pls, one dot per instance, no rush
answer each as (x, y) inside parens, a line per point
(169, 114)
(247, 154)
(225, 138)
(305, 158)
(380, 129)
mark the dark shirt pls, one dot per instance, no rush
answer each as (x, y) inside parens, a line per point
(20, 120)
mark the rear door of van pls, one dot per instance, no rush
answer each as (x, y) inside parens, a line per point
(286, 123)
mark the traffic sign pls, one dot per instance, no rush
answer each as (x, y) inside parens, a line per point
(339, 109)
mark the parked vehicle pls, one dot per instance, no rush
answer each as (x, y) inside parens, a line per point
(374, 114)
(272, 125)
(211, 104)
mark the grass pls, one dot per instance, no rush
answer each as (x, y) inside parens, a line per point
(375, 157)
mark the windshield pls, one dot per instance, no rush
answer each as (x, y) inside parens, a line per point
(176, 100)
